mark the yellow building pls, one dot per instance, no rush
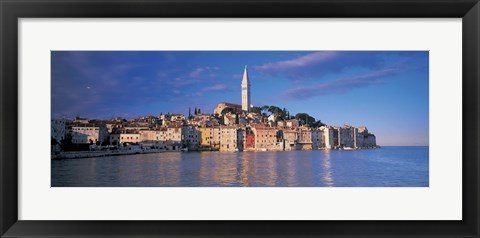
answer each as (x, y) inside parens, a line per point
(206, 136)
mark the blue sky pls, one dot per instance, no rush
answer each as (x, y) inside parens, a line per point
(387, 91)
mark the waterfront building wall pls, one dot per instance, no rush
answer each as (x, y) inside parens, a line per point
(89, 134)
(265, 138)
(249, 139)
(317, 139)
(191, 137)
(346, 136)
(130, 138)
(290, 139)
(216, 133)
(231, 139)
(205, 136)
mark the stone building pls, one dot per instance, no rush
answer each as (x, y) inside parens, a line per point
(130, 138)
(293, 123)
(236, 107)
(327, 137)
(363, 139)
(249, 138)
(231, 138)
(229, 119)
(304, 138)
(89, 134)
(290, 138)
(191, 137)
(317, 139)
(216, 133)
(265, 138)
(205, 137)
(346, 136)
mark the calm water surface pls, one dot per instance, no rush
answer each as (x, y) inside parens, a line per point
(382, 167)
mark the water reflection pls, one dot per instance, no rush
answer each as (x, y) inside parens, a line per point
(379, 167)
(245, 168)
(327, 170)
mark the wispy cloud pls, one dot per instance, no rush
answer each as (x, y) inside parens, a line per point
(196, 76)
(216, 87)
(203, 72)
(341, 85)
(196, 73)
(318, 64)
(197, 94)
(299, 62)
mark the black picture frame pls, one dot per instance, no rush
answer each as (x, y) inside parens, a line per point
(11, 11)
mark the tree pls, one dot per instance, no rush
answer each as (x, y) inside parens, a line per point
(305, 119)
(199, 111)
(195, 113)
(264, 108)
(256, 109)
(219, 118)
(318, 123)
(189, 112)
(227, 110)
(308, 120)
(275, 110)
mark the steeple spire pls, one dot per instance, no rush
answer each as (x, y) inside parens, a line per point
(245, 75)
(245, 91)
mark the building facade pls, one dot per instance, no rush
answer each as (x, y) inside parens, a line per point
(89, 134)
(231, 138)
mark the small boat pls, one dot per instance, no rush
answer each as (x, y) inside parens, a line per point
(184, 149)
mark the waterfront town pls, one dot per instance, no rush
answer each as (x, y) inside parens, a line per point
(230, 127)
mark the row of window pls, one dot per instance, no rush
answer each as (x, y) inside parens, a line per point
(85, 129)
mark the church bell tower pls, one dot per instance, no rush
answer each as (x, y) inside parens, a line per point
(245, 91)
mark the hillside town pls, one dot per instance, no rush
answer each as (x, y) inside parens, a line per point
(230, 127)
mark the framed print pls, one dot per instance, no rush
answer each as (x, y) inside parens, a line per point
(227, 118)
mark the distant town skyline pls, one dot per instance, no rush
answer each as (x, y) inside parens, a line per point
(387, 91)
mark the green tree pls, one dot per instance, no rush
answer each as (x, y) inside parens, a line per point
(264, 108)
(308, 120)
(227, 110)
(305, 119)
(256, 110)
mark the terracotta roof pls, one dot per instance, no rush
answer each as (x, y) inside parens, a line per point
(230, 104)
